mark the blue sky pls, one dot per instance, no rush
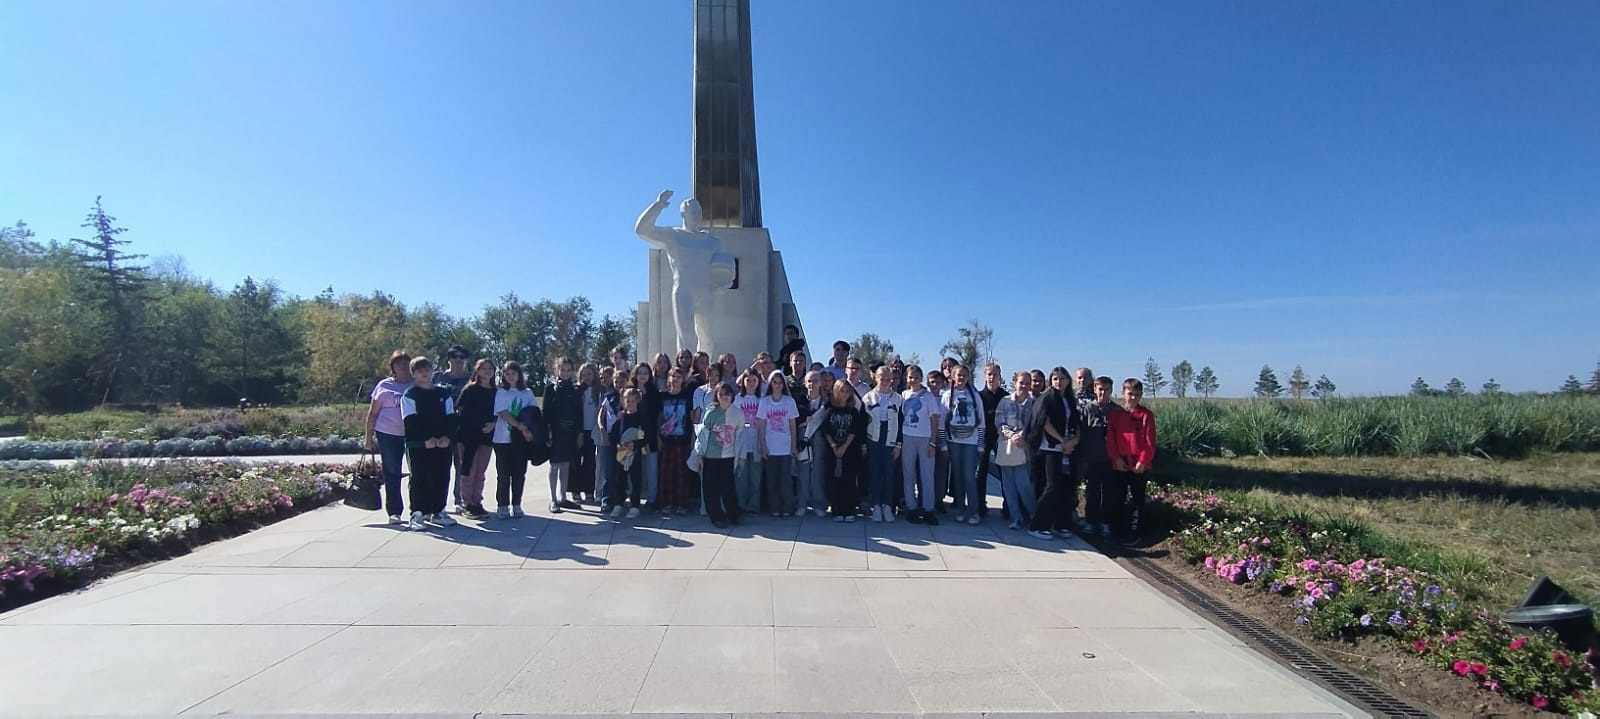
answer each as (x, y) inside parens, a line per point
(1374, 191)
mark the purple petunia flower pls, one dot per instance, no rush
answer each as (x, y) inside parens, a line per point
(1395, 620)
(1366, 620)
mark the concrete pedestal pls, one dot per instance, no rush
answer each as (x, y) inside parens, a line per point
(745, 319)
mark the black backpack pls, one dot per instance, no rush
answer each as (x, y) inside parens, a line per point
(537, 450)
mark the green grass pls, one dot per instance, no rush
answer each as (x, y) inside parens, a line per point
(1489, 527)
(1506, 426)
(309, 421)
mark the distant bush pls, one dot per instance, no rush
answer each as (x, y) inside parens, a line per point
(213, 446)
(1495, 426)
(197, 424)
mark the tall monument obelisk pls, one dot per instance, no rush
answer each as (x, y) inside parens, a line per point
(750, 303)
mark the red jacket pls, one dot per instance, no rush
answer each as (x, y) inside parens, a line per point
(1131, 436)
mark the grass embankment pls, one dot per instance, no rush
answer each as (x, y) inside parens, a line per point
(1490, 527)
(173, 422)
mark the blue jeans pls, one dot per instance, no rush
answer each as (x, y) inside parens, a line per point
(605, 468)
(1018, 489)
(652, 478)
(964, 477)
(880, 474)
(392, 451)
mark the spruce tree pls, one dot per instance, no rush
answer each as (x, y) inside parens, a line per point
(1206, 382)
(1491, 387)
(1182, 377)
(1267, 383)
(1420, 388)
(120, 287)
(1298, 383)
(1572, 385)
(1324, 388)
(1455, 387)
(1154, 381)
(1594, 380)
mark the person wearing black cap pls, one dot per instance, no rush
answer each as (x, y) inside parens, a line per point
(454, 380)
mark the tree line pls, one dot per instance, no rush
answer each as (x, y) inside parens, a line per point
(88, 322)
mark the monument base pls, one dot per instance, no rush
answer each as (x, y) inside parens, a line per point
(745, 319)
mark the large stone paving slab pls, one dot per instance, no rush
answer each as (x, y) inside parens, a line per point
(334, 611)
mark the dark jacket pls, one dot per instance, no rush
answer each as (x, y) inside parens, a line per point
(1061, 415)
(650, 410)
(428, 413)
(563, 413)
(476, 408)
(1092, 430)
(990, 400)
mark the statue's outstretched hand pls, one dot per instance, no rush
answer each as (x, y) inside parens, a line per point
(664, 197)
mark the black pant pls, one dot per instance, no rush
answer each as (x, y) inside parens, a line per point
(511, 472)
(430, 478)
(990, 441)
(843, 481)
(1036, 472)
(1129, 490)
(1098, 494)
(722, 500)
(627, 484)
(1060, 498)
(583, 468)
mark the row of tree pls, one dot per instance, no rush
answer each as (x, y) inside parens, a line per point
(88, 322)
(1573, 386)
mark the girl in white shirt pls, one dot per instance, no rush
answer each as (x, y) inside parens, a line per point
(775, 418)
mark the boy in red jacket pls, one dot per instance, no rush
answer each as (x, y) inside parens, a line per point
(1131, 443)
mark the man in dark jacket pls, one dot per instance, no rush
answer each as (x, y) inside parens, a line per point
(1090, 461)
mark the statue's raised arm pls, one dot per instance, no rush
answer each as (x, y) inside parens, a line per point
(646, 227)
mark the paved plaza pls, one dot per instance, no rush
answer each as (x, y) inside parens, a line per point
(335, 612)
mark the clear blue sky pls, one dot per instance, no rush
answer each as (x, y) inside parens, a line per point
(1374, 190)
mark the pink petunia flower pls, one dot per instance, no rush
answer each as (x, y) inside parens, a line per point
(1561, 659)
(1461, 667)
(1518, 643)
(1540, 702)
(1420, 646)
(1479, 668)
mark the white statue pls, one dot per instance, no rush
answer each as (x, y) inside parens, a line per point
(699, 267)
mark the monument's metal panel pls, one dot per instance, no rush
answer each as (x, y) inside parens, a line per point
(725, 179)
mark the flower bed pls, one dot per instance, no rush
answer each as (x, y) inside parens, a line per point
(63, 526)
(1339, 591)
(213, 446)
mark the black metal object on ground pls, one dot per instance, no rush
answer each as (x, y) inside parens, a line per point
(1297, 657)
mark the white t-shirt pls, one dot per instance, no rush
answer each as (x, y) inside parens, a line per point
(777, 414)
(920, 408)
(704, 398)
(883, 416)
(512, 401)
(748, 409)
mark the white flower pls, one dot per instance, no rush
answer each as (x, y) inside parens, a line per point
(93, 522)
(1584, 715)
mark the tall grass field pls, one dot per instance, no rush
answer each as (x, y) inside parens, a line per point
(1505, 426)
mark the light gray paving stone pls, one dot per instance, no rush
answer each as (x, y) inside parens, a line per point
(711, 669)
(913, 555)
(1083, 674)
(959, 671)
(807, 556)
(567, 558)
(928, 604)
(389, 670)
(80, 670)
(626, 557)
(1113, 603)
(727, 600)
(804, 601)
(99, 592)
(353, 597)
(1232, 680)
(682, 558)
(838, 670)
(633, 599)
(490, 597)
(192, 599)
(739, 559)
(583, 670)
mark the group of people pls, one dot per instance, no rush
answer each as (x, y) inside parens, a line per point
(784, 436)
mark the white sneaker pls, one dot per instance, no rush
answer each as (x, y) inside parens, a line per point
(633, 513)
(443, 520)
(617, 512)
(1105, 529)
(1041, 534)
(839, 519)
(395, 519)
(972, 519)
(417, 522)
(888, 514)
(502, 512)
(877, 514)
(850, 518)
(517, 511)
(822, 513)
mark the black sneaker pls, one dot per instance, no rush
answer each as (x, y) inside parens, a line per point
(568, 504)
(930, 518)
(914, 516)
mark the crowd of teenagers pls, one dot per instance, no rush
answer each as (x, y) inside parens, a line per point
(686, 435)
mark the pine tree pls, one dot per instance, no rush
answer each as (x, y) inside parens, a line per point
(1298, 383)
(1267, 383)
(1182, 377)
(1154, 381)
(1455, 387)
(120, 286)
(1594, 380)
(1572, 385)
(607, 335)
(1491, 387)
(1420, 388)
(1206, 382)
(1324, 388)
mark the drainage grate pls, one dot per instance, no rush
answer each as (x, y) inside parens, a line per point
(1304, 662)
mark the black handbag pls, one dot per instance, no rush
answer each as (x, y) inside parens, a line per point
(366, 489)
